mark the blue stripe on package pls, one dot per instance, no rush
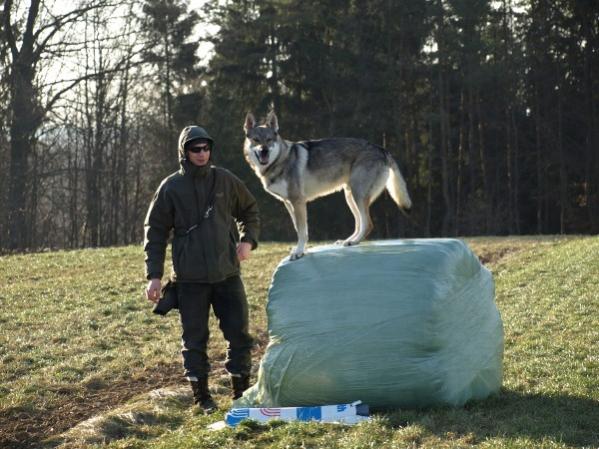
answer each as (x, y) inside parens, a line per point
(340, 413)
(309, 414)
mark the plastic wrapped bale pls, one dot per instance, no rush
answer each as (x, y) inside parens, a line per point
(400, 323)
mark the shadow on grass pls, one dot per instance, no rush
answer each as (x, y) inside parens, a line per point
(511, 414)
(142, 425)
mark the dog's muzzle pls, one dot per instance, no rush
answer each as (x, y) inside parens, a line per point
(263, 156)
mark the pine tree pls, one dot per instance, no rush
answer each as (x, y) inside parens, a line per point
(168, 27)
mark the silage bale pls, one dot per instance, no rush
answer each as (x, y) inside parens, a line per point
(400, 323)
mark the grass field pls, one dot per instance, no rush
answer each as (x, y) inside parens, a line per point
(82, 357)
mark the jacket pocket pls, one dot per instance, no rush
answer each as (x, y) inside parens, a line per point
(221, 251)
(226, 254)
(188, 257)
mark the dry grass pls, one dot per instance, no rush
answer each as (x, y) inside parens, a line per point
(78, 342)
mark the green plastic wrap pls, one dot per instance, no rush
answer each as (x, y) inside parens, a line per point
(397, 323)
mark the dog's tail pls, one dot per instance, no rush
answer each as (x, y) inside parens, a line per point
(396, 186)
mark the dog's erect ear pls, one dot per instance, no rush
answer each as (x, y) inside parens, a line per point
(249, 123)
(272, 121)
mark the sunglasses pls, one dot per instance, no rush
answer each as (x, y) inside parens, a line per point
(200, 148)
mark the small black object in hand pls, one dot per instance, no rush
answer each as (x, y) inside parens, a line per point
(168, 299)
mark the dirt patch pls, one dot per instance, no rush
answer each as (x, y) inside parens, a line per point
(20, 429)
(492, 255)
(126, 420)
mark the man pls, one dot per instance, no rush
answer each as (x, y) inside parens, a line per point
(202, 203)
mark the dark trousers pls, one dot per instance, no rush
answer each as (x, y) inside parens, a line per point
(230, 306)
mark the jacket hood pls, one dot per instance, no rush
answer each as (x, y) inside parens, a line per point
(189, 134)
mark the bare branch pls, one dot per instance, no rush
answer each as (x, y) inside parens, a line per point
(31, 18)
(71, 16)
(81, 43)
(61, 21)
(10, 38)
(89, 76)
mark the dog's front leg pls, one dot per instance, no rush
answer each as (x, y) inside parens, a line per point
(289, 207)
(299, 215)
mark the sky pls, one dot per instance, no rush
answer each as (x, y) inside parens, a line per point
(203, 29)
(53, 73)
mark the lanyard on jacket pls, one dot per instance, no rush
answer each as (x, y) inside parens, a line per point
(209, 202)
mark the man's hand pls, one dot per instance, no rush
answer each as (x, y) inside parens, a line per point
(153, 290)
(243, 251)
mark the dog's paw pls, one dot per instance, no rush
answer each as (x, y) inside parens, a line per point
(350, 242)
(294, 255)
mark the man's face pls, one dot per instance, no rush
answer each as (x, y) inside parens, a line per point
(198, 153)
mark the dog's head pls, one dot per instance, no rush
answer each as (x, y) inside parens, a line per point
(262, 143)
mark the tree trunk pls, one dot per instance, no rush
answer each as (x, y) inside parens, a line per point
(26, 118)
(32, 219)
(444, 135)
(563, 181)
(23, 125)
(516, 173)
(459, 182)
(122, 193)
(430, 168)
(539, 162)
(170, 130)
(508, 164)
(73, 185)
(472, 156)
(592, 138)
(483, 167)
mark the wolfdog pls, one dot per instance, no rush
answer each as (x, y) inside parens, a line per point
(298, 172)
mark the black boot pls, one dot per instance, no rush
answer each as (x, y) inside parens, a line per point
(240, 384)
(201, 395)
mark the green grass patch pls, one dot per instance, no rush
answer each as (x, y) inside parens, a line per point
(77, 339)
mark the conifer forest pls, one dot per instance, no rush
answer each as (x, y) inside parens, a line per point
(490, 107)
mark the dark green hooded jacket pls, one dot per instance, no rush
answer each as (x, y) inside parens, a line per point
(206, 252)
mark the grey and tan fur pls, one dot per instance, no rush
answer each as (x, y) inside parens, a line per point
(298, 172)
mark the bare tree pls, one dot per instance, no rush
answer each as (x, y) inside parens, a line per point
(30, 41)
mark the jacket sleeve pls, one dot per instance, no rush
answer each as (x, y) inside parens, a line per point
(157, 227)
(246, 214)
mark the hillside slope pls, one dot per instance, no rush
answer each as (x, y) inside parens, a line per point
(77, 341)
